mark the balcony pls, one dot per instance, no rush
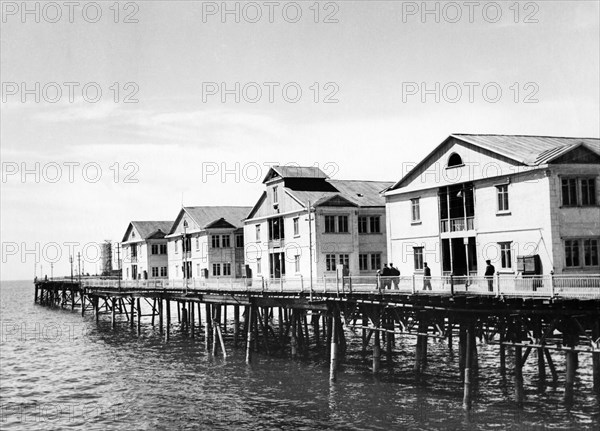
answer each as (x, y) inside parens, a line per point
(457, 224)
(276, 243)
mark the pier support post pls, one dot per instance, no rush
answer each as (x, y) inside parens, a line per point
(462, 349)
(249, 334)
(540, 356)
(160, 316)
(112, 312)
(131, 312)
(502, 339)
(96, 310)
(389, 340)
(139, 317)
(571, 360)
(35, 298)
(519, 393)
(333, 356)
(192, 318)
(293, 339)
(596, 358)
(207, 326)
(82, 293)
(168, 318)
(236, 324)
(467, 373)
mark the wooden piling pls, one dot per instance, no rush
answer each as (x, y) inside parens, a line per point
(249, 334)
(131, 312)
(467, 372)
(236, 324)
(333, 355)
(168, 318)
(596, 358)
(207, 326)
(192, 323)
(139, 316)
(518, 378)
(112, 313)
(571, 365)
(293, 339)
(160, 316)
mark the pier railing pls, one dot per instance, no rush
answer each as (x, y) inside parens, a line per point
(548, 286)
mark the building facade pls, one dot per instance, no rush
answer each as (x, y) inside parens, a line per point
(529, 204)
(144, 250)
(346, 226)
(207, 242)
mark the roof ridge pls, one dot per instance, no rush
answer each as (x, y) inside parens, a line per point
(526, 136)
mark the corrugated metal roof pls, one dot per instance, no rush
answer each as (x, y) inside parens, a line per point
(147, 228)
(295, 172)
(529, 150)
(360, 193)
(206, 215)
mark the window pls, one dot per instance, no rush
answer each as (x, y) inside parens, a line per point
(578, 191)
(588, 191)
(239, 240)
(505, 255)
(215, 241)
(344, 259)
(197, 243)
(362, 224)
(155, 271)
(330, 262)
(297, 263)
(296, 226)
(415, 205)
(198, 269)
(226, 241)
(375, 261)
(418, 256)
(176, 241)
(454, 160)
(363, 262)
(257, 232)
(163, 248)
(226, 269)
(216, 269)
(329, 224)
(276, 228)
(163, 271)
(154, 248)
(258, 265)
(590, 252)
(572, 252)
(127, 272)
(502, 195)
(375, 225)
(343, 224)
(275, 194)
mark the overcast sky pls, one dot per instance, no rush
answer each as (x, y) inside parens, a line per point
(171, 143)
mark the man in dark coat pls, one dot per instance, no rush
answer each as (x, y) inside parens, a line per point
(489, 275)
(386, 273)
(426, 277)
(395, 273)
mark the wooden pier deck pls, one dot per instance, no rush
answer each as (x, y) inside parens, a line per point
(549, 314)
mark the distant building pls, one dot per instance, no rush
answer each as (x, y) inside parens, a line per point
(206, 242)
(348, 225)
(144, 250)
(527, 203)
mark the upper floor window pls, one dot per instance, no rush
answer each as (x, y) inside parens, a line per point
(225, 241)
(275, 194)
(197, 243)
(341, 226)
(176, 247)
(215, 240)
(154, 250)
(418, 258)
(454, 160)
(296, 226)
(163, 249)
(415, 205)
(369, 224)
(375, 224)
(363, 224)
(502, 197)
(226, 269)
(342, 223)
(578, 191)
(329, 224)
(258, 232)
(239, 240)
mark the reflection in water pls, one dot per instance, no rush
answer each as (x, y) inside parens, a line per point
(60, 370)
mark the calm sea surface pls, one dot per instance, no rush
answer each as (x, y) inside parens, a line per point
(61, 371)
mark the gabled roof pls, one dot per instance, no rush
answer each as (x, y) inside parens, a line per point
(529, 150)
(358, 193)
(294, 172)
(148, 229)
(523, 149)
(205, 216)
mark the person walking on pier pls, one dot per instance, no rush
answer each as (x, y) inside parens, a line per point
(386, 273)
(395, 273)
(426, 277)
(489, 275)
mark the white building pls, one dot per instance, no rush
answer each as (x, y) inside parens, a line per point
(503, 198)
(347, 225)
(213, 245)
(144, 250)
